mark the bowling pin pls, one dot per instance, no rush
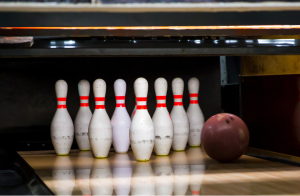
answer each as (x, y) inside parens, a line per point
(194, 113)
(134, 110)
(83, 117)
(100, 129)
(120, 120)
(63, 176)
(164, 175)
(101, 179)
(141, 129)
(179, 117)
(62, 128)
(122, 172)
(143, 180)
(163, 126)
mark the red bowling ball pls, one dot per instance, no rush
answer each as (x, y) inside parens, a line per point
(225, 137)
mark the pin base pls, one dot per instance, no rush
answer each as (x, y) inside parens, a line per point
(162, 155)
(63, 154)
(121, 152)
(142, 160)
(101, 157)
(84, 149)
(179, 150)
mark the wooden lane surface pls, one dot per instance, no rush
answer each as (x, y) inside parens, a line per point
(245, 176)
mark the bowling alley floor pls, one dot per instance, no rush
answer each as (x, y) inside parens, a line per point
(181, 173)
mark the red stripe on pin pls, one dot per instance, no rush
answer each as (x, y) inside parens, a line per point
(120, 97)
(120, 105)
(99, 98)
(195, 192)
(161, 105)
(194, 95)
(61, 99)
(84, 97)
(61, 106)
(177, 96)
(161, 97)
(84, 104)
(99, 106)
(141, 107)
(194, 102)
(177, 103)
(141, 99)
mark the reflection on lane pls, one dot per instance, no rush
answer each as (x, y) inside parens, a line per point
(197, 168)
(189, 172)
(143, 181)
(164, 175)
(63, 176)
(122, 172)
(84, 165)
(119, 175)
(181, 172)
(101, 180)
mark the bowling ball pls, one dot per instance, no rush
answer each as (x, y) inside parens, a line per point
(224, 137)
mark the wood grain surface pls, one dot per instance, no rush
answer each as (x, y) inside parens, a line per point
(246, 176)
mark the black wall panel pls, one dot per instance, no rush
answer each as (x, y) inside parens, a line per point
(271, 110)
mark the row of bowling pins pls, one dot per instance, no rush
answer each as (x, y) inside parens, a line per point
(163, 176)
(96, 131)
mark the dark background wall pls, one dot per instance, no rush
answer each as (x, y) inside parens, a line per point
(271, 109)
(28, 101)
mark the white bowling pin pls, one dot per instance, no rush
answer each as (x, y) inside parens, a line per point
(194, 114)
(101, 179)
(141, 129)
(179, 117)
(120, 120)
(62, 128)
(164, 175)
(163, 126)
(134, 110)
(143, 180)
(83, 117)
(100, 129)
(122, 172)
(181, 172)
(63, 176)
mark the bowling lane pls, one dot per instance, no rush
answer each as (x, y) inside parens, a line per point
(180, 173)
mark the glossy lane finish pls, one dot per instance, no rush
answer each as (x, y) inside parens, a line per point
(189, 172)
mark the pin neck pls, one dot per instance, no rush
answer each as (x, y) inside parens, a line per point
(141, 103)
(177, 100)
(99, 106)
(161, 101)
(84, 101)
(193, 98)
(84, 105)
(120, 105)
(120, 101)
(99, 102)
(61, 102)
